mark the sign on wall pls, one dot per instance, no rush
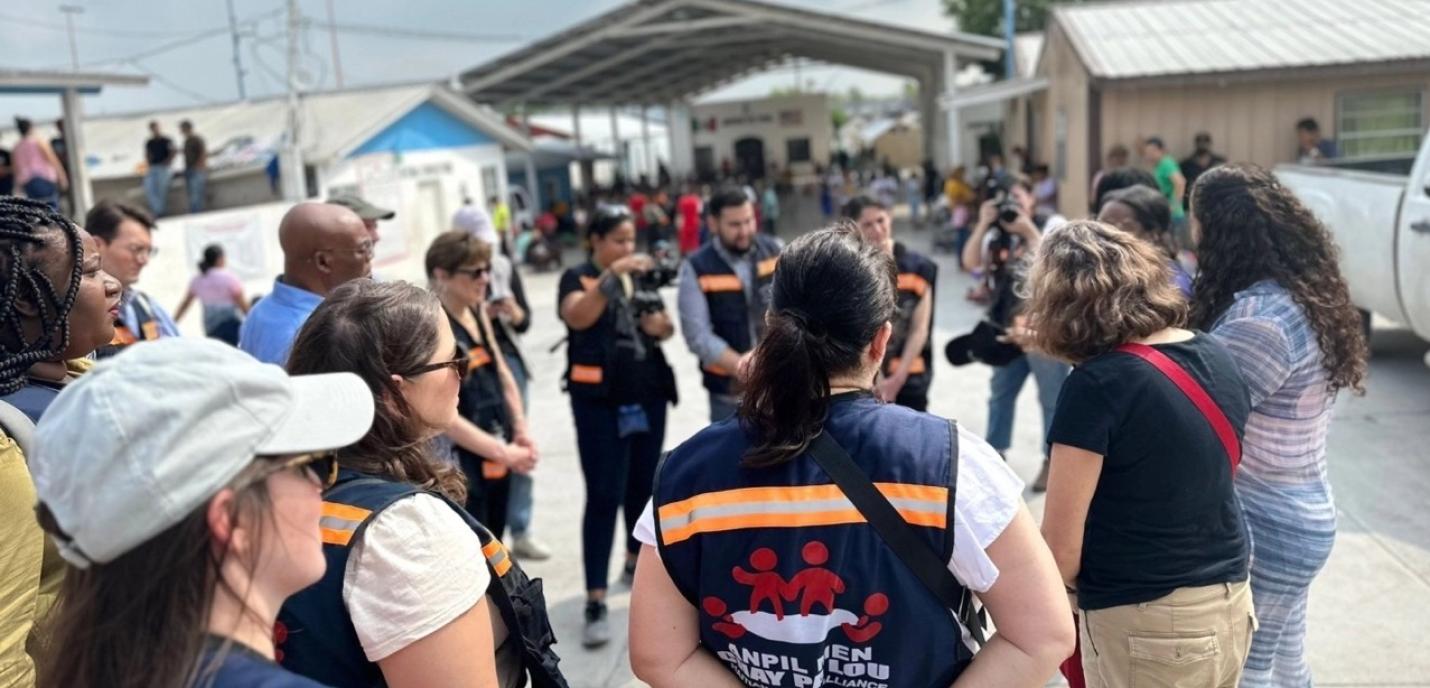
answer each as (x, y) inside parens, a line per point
(240, 235)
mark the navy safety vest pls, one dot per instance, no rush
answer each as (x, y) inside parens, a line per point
(600, 361)
(730, 312)
(917, 275)
(145, 322)
(481, 399)
(315, 636)
(793, 588)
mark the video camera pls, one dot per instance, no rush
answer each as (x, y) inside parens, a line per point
(646, 298)
(997, 190)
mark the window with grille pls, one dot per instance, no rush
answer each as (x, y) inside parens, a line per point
(1380, 124)
(797, 150)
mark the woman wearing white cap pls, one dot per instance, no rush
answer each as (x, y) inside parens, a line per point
(193, 519)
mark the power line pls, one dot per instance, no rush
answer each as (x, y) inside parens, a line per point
(391, 32)
(31, 23)
(161, 79)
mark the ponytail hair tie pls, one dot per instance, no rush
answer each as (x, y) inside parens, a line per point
(803, 321)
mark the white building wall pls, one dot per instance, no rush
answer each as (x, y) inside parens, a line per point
(774, 121)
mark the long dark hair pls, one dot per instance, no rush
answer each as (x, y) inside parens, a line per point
(831, 293)
(376, 330)
(26, 226)
(1253, 228)
(1151, 210)
(140, 620)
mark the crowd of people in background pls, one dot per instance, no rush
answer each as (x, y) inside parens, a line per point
(322, 496)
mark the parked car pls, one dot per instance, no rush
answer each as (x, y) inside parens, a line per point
(1382, 223)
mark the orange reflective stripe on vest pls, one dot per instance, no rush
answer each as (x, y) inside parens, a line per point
(916, 368)
(586, 374)
(477, 357)
(340, 521)
(766, 267)
(913, 283)
(793, 507)
(720, 283)
(497, 556)
(716, 370)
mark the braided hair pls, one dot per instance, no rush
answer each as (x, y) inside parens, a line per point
(24, 226)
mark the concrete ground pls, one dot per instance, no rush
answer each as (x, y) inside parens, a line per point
(1370, 608)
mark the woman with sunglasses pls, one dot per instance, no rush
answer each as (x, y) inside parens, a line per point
(620, 385)
(184, 541)
(458, 272)
(405, 599)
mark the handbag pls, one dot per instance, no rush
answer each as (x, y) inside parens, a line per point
(1071, 668)
(928, 566)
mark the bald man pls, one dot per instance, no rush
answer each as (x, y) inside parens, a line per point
(324, 245)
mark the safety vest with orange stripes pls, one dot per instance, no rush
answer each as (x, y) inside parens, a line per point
(917, 276)
(793, 587)
(315, 634)
(731, 313)
(601, 360)
(480, 399)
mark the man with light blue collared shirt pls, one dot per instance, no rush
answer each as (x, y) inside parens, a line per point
(124, 234)
(324, 246)
(724, 292)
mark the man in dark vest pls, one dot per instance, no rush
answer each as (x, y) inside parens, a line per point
(724, 293)
(908, 364)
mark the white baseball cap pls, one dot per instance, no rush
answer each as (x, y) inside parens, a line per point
(136, 445)
(474, 220)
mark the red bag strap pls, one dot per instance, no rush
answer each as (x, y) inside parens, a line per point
(1189, 386)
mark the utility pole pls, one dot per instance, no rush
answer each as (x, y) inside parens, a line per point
(237, 61)
(1010, 12)
(70, 11)
(333, 39)
(291, 165)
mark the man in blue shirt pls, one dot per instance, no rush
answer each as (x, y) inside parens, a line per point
(124, 234)
(324, 245)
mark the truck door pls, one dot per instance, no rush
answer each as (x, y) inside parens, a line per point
(1413, 251)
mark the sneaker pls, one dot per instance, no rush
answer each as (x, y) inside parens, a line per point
(598, 628)
(628, 574)
(1040, 483)
(528, 547)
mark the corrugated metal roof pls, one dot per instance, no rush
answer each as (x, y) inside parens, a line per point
(1119, 40)
(244, 134)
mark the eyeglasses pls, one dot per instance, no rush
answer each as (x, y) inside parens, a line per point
(142, 251)
(458, 366)
(475, 273)
(319, 467)
(364, 250)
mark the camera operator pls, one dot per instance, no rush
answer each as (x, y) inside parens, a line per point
(1008, 230)
(620, 385)
(724, 293)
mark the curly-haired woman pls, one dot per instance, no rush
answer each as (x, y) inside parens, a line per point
(1271, 290)
(1141, 514)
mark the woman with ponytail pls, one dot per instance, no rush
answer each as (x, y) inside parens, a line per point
(757, 562)
(221, 294)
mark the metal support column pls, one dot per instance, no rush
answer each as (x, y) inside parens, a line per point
(649, 152)
(682, 148)
(580, 182)
(617, 149)
(955, 131)
(533, 187)
(81, 194)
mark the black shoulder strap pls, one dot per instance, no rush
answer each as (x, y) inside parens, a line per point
(897, 534)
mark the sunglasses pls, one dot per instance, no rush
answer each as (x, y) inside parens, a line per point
(458, 366)
(475, 273)
(319, 467)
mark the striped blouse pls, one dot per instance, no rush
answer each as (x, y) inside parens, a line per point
(1275, 348)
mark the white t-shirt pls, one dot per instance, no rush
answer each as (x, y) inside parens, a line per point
(416, 569)
(988, 496)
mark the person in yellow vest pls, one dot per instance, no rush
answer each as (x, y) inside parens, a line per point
(126, 243)
(61, 307)
(501, 221)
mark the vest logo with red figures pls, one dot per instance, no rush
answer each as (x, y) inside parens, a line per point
(803, 610)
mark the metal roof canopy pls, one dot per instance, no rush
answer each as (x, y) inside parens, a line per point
(655, 51)
(69, 86)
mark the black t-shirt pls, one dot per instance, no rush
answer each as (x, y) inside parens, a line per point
(159, 150)
(636, 369)
(1165, 514)
(241, 667)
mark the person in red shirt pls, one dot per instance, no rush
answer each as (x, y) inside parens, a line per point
(637, 205)
(688, 208)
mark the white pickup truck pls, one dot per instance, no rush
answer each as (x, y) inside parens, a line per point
(1382, 223)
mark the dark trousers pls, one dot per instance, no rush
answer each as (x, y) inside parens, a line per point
(486, 498)
(619, 475)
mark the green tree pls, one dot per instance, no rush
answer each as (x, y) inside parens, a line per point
(986, 16)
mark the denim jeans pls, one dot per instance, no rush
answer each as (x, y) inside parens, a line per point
(1008, 381)
(44, 191)
(195, 181)
(518, 506)
(156, 189)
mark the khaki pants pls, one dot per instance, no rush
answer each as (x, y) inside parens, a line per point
(1191, 638)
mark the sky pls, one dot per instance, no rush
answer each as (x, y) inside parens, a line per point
(185, 46)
